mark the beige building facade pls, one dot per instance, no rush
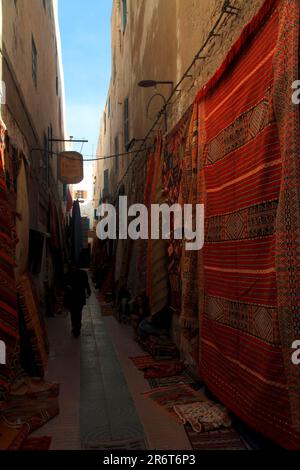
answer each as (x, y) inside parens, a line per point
(157, 40)
(34, 116)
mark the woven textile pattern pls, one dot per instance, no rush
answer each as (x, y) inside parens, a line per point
(157, 274)
(203, 416)
(173, 157)
(35, 322)
(8, 301)
(248, 270)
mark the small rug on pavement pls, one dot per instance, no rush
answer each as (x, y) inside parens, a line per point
(220, 439)
(126, 444)
(161, 348)
(107, 310)
(37, 443)
(29, 407)
(177, 394)
(164, 369)
(143, 362)
(185, 377)
(203, 415)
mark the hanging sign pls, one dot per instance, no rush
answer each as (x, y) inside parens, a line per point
(70, 167)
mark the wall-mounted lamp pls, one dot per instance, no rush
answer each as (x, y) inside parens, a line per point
(154, 83)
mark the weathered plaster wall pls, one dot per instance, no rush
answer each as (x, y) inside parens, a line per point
(159, 43)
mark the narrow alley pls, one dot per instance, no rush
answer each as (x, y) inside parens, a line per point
(149, 230)
(101, 392)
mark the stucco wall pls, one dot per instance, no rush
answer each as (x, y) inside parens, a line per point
(160, 41)
(30, 110)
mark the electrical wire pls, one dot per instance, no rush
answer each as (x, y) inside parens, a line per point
(97, 157)
(227, 10)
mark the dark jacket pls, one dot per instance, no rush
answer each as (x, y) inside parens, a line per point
(76, 288)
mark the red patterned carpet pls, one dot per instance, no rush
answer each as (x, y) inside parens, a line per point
(242, 162)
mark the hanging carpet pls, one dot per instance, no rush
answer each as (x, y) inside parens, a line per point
(244, 149)
(9, 329)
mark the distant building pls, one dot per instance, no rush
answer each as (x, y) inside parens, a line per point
(34, 117)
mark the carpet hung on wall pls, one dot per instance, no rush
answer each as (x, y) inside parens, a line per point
(242, 163)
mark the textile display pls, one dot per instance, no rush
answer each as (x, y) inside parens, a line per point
(9, 330)
(135, 281)
(163, 369)
(69, 201)
(177, 394)
(244, 150)
(203, 416)
(22, 221)
(184, 377)
(160, 347)
(37, 443)
(143, 362)
(157, 274)
(107, 309)
(189, 318)
(35, 322)
(219, 439)
(131, 444)
(173, 158)
(76, 232)
(25, 411)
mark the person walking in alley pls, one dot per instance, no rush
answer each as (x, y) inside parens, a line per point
(76, 289)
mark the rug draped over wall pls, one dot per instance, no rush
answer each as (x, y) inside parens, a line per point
(157, 275)
(242, 162)
(9, 328)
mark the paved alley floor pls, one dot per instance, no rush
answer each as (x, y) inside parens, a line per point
(101, 401)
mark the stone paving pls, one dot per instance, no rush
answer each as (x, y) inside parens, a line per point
(101, 402)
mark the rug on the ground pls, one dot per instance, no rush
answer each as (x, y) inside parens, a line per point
(163, 369)
(220, 439)
(203, 416)
(245, 145)
(107, 309)
(161, 348)
(35, 322)
(25, 411)
(123, 444)
(37, 443)
(173, 156)
(142, 362)
(177, 394)
(184, 377)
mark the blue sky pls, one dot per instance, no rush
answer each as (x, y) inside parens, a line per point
(85, 38)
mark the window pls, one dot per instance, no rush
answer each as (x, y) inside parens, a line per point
(105, 184)
(80, 194)
(104, 122)
(124, 14)
(116, 153)
(108, 107)
(126, 122)
(34, 61)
